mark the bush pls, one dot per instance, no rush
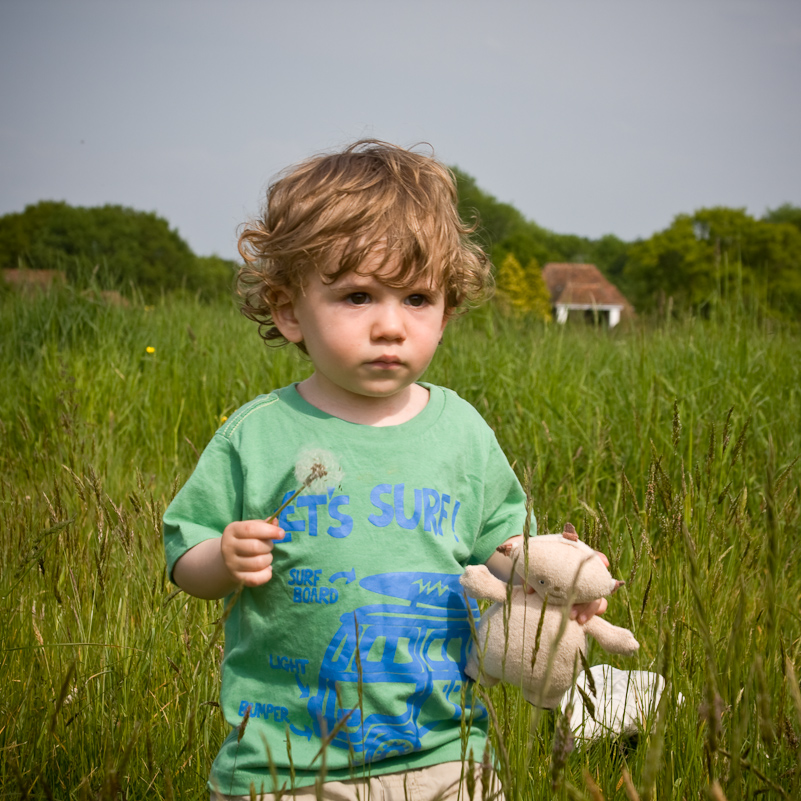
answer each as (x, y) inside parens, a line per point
(110, 247)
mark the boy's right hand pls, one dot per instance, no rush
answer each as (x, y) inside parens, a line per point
(247, 550)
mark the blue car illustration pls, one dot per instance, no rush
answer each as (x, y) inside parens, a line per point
(403, 650)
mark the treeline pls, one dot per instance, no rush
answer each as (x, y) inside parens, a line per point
(502, 229)
(720, 254)
(713, 254)
(113, 247)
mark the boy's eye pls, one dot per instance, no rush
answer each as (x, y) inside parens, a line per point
(417, 300)
(358, 298)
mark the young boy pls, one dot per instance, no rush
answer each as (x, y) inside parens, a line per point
(348, 631)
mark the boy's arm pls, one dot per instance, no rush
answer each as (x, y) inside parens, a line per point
(501, 566)
(208, 555)
(201, 571)
(215, 567)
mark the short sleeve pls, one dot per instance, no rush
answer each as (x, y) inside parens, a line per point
(207, 503)
(504, 508)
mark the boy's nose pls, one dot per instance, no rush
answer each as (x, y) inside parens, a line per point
(388, 323)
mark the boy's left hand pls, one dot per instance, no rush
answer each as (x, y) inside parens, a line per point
(583, 612)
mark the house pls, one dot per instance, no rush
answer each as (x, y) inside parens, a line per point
(582, 288)
(27, 280)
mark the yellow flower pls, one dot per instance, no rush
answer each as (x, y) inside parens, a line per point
(149, 308)
(150, 349)
(223, 418)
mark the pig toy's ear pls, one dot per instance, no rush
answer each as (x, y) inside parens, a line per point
(570, 533)
(505, 549)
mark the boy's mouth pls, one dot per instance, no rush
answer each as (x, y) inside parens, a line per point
(385, 362)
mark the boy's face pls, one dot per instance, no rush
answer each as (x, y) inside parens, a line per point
(366, 339)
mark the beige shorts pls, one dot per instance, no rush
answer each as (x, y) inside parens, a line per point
(438, 783)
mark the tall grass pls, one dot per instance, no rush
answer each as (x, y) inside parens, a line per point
(673, 448)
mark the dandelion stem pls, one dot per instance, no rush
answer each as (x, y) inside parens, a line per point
(275, 515)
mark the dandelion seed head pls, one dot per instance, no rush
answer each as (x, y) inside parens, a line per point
(318, 470)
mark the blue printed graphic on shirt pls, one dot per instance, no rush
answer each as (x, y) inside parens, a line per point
(425, 509)
(412, 650)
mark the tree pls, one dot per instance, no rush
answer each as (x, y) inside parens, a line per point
(212, 276)
(715, 254)
(610, 254)
(539, 295)
(511, 284)
(112, 245)
(774, 255)
(786, 213)
(502, 230)
(665, 263)
(523, 291)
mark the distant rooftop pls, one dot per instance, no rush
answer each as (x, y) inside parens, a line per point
(583, 287)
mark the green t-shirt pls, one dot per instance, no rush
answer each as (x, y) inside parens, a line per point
(361, 635)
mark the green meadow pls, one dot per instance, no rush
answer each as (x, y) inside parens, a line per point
(673, 446)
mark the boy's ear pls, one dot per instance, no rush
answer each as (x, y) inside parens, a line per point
(445, 319)
(284, 317)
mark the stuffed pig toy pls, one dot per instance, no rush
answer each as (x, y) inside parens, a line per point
(564, 570)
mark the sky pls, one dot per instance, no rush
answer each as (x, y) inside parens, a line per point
(590, 116)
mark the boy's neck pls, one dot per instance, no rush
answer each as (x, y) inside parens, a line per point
(362, 409)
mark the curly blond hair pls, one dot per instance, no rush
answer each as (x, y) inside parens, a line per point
(334, 211)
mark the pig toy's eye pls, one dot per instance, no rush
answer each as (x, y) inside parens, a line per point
(542, 581)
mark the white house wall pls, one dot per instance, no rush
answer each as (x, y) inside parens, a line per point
(563, 309)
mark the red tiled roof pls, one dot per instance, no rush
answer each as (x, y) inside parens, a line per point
(38, 278)
(581, 284)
